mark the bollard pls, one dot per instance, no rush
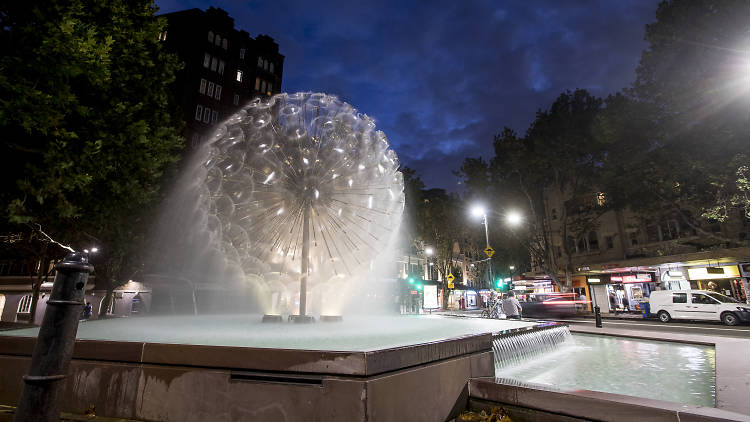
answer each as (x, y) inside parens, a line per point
(598, 316)
(54, 345)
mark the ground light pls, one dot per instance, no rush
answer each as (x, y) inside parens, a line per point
(302, 319)
(331, 318)
(272, 318)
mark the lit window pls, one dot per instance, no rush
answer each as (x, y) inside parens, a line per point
(236, 99)
(214, 116)
(263, 86)
(270, 67)
(265, 64)
(242, 53)
(202, 89)
(257, 84)
(214, 62)
(260, 61)
(210, 90)
(217, 92)
(198, 112)
(206, 60)
(210, 36)
(601, 199)
(218, 40)
(239, 76)
(206, 115)
(221, 67)
(224, 44)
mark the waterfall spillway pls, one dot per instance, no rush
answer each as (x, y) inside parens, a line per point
(518, 346)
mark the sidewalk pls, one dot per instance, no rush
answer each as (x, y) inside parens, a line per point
(6, 415)
(476, 313)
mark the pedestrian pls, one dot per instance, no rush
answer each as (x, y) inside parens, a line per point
(87, 310)
(511, 307)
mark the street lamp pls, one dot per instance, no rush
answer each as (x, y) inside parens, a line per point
(429, 251)
(479, 211)
(514, 218)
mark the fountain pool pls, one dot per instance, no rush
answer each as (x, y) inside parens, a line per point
(677, 372)
(355, 333)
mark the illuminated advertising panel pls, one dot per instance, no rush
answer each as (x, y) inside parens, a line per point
(430, 297)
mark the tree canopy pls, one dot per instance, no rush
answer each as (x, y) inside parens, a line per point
(86, 118)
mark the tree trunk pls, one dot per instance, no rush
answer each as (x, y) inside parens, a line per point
(107, 300)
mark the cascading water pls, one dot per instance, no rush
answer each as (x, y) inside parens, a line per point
(519, 346)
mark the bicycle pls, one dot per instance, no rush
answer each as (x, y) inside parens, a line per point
(492, 311)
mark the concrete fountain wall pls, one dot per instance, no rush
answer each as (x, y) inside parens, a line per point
(177, 382)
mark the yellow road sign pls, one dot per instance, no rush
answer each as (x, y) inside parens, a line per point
(450, 278)
(451, 285)
(489, 251)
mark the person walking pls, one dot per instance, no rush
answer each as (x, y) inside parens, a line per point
(511, 307)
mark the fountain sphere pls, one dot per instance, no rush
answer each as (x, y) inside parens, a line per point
(301, 175)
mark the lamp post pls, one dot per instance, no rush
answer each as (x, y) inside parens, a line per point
(429, 251)
(479, 211)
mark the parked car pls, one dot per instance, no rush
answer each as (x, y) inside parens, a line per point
(699, 305)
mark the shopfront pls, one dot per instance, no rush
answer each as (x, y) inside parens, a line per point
(621, 292)
(674, 278)
(745, 271)
(581, 289)
(721, 279)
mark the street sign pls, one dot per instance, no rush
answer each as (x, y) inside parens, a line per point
(489, 251)
(450, 278)
(451, 285)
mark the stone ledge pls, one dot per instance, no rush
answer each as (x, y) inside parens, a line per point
(593, 404)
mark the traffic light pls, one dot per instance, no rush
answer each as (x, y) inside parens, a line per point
(419, 286)
(411, 280)
(500, 284)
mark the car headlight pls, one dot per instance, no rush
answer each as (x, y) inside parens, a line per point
(741, 309)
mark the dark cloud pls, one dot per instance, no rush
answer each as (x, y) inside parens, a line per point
(441, 78)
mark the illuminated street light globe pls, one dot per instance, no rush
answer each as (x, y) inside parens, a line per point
(302, 174)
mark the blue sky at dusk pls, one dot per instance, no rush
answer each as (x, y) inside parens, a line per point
(442, 77)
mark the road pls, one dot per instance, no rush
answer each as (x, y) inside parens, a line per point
(702, 328)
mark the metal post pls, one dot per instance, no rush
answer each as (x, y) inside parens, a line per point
(489, 258)
(54, 345)
(305, 261)
(598, 316)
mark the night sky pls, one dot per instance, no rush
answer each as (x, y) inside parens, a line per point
(442, 77)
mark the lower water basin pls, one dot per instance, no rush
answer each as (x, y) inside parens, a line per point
(660, 370)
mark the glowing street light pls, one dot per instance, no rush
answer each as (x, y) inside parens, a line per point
(480, 211)
(429, 251)
(514, 218)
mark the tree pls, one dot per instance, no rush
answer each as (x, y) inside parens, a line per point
(440, 228)
(558, 158)
(483, 187)
(89, 129)
(692, 81)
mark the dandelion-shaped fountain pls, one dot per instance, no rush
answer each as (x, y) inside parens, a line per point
(302, 183)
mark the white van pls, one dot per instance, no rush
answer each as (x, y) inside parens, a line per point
(697, 304)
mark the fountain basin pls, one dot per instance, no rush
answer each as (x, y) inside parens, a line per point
(385, 368)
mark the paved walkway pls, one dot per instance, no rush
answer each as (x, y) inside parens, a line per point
(7, 413)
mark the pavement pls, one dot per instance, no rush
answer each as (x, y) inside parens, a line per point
(631, 322)
(7, 413)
